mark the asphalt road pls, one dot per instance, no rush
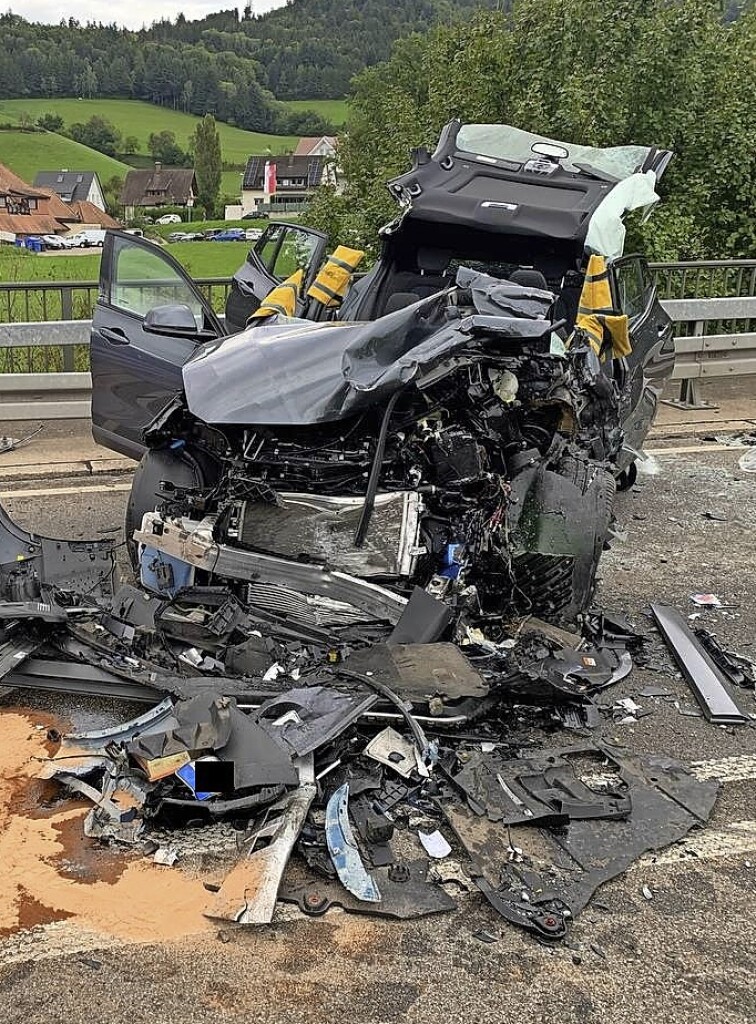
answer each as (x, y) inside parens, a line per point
(686, 955)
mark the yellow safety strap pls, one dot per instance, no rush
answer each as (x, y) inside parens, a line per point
(331, 284)
(598, 317)
(282, 299)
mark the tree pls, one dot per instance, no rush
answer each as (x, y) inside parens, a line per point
(50, 122)
(187, 94)
(85, 83)
(97, 133)
(131, 144)
(207, 162)
(112, 192)
(163, 147)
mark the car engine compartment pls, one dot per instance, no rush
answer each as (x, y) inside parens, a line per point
(477, 465)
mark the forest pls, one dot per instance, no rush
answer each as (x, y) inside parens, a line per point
(229, 64)
(678, 74)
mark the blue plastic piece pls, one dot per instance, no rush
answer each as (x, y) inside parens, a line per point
(454, 560)
(187, 775)
(343, 849)
(163, 574)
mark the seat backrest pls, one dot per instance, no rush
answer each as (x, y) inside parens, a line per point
(399, 300)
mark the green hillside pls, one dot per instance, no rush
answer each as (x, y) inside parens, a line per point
(134, 117)
(28, 152)
(335, 111)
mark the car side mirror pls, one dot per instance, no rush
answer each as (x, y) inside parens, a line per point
(176, 319)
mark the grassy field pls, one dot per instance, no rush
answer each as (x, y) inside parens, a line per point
(201, 259)
(133, 117)
(26, 153)
(334, 111)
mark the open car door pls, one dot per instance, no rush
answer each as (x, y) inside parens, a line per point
(649, 365)
(279, 252)
(149, 319)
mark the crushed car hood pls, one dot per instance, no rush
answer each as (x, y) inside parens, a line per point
(294, 372)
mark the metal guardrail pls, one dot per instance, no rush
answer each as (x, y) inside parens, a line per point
(52, 302)
(700, 356)
(730, 351)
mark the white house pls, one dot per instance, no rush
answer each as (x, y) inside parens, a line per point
(73, 186)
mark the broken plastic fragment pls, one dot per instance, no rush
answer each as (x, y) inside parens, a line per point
(166, 856)
(393, 750)
(343, 849)
(706, 600)
(434, 844)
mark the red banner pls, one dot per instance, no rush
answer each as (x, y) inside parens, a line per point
(270, 182)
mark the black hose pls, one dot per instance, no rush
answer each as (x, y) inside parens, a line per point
(375, 473)
(421, 741)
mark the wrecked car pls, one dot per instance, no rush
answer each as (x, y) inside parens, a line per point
(455, 427)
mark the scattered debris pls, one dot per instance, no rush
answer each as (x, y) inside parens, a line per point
(344, 726)
(706, 681)
(434, 844)
(12, 444)
(706, 600)
(747, 461)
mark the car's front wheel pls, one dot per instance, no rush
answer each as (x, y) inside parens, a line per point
(180, 467)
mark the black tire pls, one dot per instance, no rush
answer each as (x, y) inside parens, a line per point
(559, 587)
(179, 466)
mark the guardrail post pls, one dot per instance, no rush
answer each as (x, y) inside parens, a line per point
(690, 395)
(66, 313)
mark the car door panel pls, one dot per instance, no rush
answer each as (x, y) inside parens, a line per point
(136, 371)
(281, 249)
(650, 363)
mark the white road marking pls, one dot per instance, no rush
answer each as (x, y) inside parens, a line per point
(741, 768)
(689, 449)
(54, 491)
(733, 840)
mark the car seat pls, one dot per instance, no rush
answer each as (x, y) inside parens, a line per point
(399, 300)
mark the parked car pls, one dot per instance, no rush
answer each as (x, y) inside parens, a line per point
(230, 235)
(87, 239)
(252, 234)
(445, 392)
(169, 218)
(56, 242)
(255, 216)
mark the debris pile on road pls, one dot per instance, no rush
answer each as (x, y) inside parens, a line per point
(380, 767)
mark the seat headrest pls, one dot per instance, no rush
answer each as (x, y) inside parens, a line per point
(432, 261)
(529, 278)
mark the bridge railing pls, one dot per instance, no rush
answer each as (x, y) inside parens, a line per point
(61, 301)
(701, 355)
(705, 279)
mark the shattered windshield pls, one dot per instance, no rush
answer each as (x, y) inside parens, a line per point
(503, 142)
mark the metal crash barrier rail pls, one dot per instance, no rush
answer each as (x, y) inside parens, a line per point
(730, 352)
